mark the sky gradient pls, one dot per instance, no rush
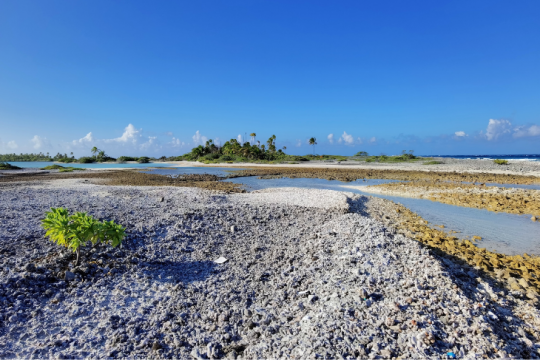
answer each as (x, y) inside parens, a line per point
(157, 78)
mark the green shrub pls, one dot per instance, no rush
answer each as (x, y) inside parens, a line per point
(143, 160)
(500, 162)
(433, 162)
(53, 167)
(8, 166)
(226, 158)
(126, 158)
(214, 156)
(76, 230)
(87, 160)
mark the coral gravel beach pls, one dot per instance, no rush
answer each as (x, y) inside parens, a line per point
(302, 274)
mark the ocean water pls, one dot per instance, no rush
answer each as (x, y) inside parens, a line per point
(509, 234)
(41, 164)
(522, 157)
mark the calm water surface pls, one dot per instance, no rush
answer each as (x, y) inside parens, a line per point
(505, 233)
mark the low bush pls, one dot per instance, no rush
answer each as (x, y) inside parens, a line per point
(226, 158)
(8, 166)
(87, 160)
(74, 231)
(500, 162)
(143, 160)
(214, 156)
(126, 158)
(433, 162)
(53, 167)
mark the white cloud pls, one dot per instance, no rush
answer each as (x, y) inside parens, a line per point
(298, 143)
(373, 139)
(169, 133)
(497, 128)
(131, 134)
(331, 138)
(87, 139)
(460, 133)
(346, 138)
(359, 141)
(522, 131)
(40, 142)
(149, 143)
(10, 145)
(199, 139)
(239, 138)
(177, 142)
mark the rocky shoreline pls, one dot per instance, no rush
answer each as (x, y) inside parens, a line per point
(309, 274)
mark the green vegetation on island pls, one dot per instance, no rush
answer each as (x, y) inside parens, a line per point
(8, 166)
(500, 162)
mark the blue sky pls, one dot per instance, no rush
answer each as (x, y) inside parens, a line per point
(141, 77)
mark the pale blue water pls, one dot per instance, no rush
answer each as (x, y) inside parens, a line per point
(41, 164)
(509, 234)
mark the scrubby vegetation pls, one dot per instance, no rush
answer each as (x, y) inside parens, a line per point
(7, 166)
(404, 157)
(25, 157)
(61, 168)
(234, 151)
(74, 231)
(500, 162)
(433, 162)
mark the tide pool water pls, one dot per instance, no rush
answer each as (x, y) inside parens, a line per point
(509, 234)
(42, 164)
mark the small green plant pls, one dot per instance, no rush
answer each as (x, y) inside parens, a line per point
(74, 231)
(433, 162)
(500, 162)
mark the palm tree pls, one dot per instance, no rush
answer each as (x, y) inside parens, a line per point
(94, 151)
(313, 141)
(253, 137)
(101, 155)
(284, 148)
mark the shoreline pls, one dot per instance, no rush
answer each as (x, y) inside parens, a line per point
(297, 260)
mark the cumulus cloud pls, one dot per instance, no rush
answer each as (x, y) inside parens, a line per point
(10, 145)
(239, 138)
(149, 143)
(497, 128)
(346, 138)
(131, 134)
(177, 142)
(199, 139)
(298, 143)
(359, 141)
(40, 142)
(373, 139)
(85, 140)
(460, 133)
(331, 138)
(523, 131)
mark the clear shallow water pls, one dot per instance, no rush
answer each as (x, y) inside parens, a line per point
(193, 170)
(509, 234)
(41, 164)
